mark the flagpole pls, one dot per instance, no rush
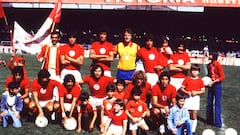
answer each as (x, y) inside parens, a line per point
(5, 20)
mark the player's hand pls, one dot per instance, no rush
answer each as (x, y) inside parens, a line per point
(180, 123)
(3, 113)
(79, 130)
(166, 108)
(174, 131)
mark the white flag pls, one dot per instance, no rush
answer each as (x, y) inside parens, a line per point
(32, 44)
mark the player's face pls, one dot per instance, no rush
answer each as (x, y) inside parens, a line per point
(44, 82)
(165, 81)
(136, 97)
(127, 37)
(110, 94)
(120, 87)
(149, 43)
(70, 84)
(13, 92)
(194, 73)
(180, 103)
(139, 81)
(165, 44)
(103, 36)
(55, 39)
(117, 108)
(181, 48)
(17, 77)
(98, 72)
(72, 40)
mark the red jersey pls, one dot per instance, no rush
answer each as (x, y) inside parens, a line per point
(68, 96)
(44, 94)
(102, 49)
(74, 52)
(193, 84)
(215, 71)
(119, 95)
(24, 84)
(86, 109)
(15, 61)
(144, 89)
(118, 120)
(181, 59)
(98, 87)
(41, 55)
(164, 96)
(108, 106)
(136, 109)
(150, 58)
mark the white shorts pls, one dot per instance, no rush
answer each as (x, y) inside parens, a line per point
(134, 126)
(55, 94)
(177, 82)
(192, 103)
(96, 101)
(53, 75)
(105, 119)
(75, 73)
(67, 106)
(107, 73)
(152, 78)
(114, 130)
(44, 103)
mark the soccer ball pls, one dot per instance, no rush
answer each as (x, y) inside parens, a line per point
(208, 132)
(41, 121)
(230, 131)
(70, 124)
(206, 80)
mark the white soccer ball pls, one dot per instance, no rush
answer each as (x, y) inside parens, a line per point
(230, 131)
(70, 124)
(41, 121)
(208, 132)
(206, 80)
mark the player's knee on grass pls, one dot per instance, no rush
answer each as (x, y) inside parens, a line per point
(49, 106)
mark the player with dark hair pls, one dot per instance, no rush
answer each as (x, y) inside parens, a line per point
(216, 73)
(136, 109)
(102, 52)
(43, 98)
(71, 57)
(87, 114)
(69, 93)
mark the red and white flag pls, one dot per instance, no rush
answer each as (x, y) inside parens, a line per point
(2, 14)
(42, 37)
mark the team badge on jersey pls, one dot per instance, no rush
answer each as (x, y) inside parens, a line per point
(43, 91)
(102, 50)
(71, 53)
(69, 96)
(96, 86)
(151, 56)
(180, 61)
(140, 108)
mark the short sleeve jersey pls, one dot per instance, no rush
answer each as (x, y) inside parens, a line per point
(102, 49)
(193, 84)
(118, 120)
(68, 96)
(44, 94)
(136, 109)
(98, 87)
(144, 89)
(127, 55)
(164, 96)
(119, 95)
(86, 109)
(108, 106)
(150, 58)
(73, 52)
(181, 59)
(24, 84)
